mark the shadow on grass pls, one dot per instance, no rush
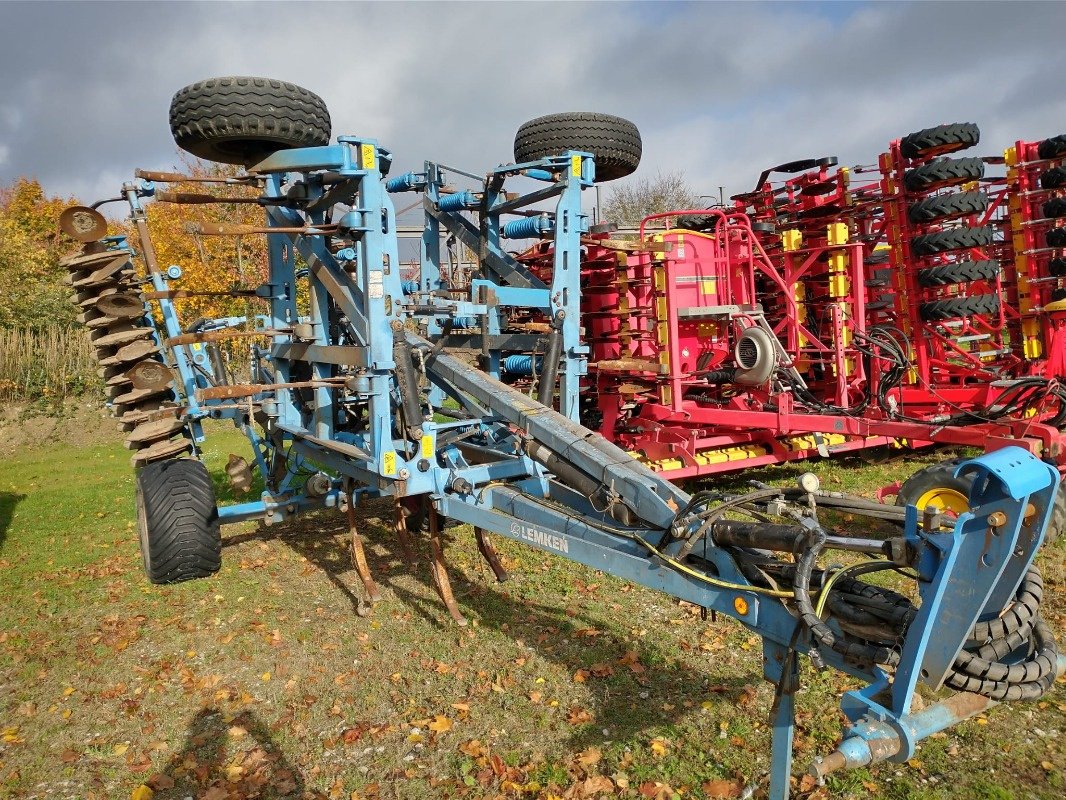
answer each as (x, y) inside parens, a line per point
(623, 705)
(8, 501)
(204, 761)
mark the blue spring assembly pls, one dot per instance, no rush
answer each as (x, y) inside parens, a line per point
(522, 364)
(409, 287)
(407, 182)
(528, 228)
(464, 322)
(458, 201)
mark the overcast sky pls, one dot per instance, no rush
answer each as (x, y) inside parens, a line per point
(718, 90)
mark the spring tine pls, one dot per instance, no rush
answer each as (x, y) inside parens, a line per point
(486, 549)
(402, 534)
(439, 569)
(359, 555)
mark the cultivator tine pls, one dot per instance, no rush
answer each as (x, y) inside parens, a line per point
(373, 594)
(486, 549)
(402, 534)
(439, 569)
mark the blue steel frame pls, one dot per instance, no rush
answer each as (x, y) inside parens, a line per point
(357, 311)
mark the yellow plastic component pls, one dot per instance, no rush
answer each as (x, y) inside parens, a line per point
(575, 166)
(709, 286)
(837, 233)
(791, 240)
(1056, 305)
(740, 605)
(945, 499)
(1010, 155)
(1032, 345)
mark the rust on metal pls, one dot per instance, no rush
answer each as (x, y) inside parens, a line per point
(402, 534)
(222, 335)
(179, 294)
(83, 223)
(250, 389)
(123, 305)
(358, 554)
(216, 229)
(150, 374)
(194, 198)
(439, 570)
(489, 553)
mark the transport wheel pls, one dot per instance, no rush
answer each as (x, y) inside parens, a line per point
(942, 173)
(956, 307)
(1052, 148)
(939, 140)
(937, 486)
(1055, 207)
(178, 521)
(930, 244)
(615, 142)
(696, 222)
(1053, 178)
(959, 272)
(242, 120)
(947, 206)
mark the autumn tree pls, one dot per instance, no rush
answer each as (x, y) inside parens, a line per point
(629, 203)
(32, 294)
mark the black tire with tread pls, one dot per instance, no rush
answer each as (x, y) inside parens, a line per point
(615, 142)
(945, 241)
(1055, 207)
(1057, 524)
(1053, 147)
(1053, 178)
(959, 272)
(942, 173)
(242, 120)
(940, 139)
(178, 521)
(947, 206)
(1056, 237)
(935, 476)
(959, 307)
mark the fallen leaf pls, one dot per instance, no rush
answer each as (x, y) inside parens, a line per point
(265, 676)
(161, 781)
(440, 724)
(578, 716)
(69, 756)
(722, 789)
(473, 748)
(142, 792)
(589, 756)
(120, 749)
(536, 697)
(581, 676)
(659, 748)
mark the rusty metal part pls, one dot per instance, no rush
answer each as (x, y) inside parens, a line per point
(102, 321)
(122, 337)
(489, 553)
(402, 534)
(215, 229)
(161, 450)
(439, 570)
(76, 261)
(129, 353)
(193, 198)
(250, 389)
(118, 379)
(176, 177)
(150, 411)
(83, 223)
(150, 374)
(136, 395)
(178, 294)
(148, 432)
(629, 247)
(87, 299)
(628, 365)
(222, 335)
(373, 595)
(239, 473)
(123, 305)
(111, 274)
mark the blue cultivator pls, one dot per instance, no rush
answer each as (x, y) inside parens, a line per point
(459, 399)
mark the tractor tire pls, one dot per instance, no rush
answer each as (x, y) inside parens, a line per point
(947, 206)
(1053, 178)
(958, 307)
(937, 485)
(942, 173)
(940, 140)
(615, 142)
(242, 120)
(1056, 237)
(930, 244)
(697, 222)
(1055, 207)
(178, 521)
(1052, 148)
(1057, 524)
(1056, 267)
(959, 272)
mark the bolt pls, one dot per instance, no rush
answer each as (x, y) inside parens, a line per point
(997, 519)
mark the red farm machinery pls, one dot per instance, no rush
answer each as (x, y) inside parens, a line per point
(912, 303)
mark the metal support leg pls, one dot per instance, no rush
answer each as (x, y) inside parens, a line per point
(781, 667)
(402, 534)
(437, 567)
(359, 559)
(486, 549)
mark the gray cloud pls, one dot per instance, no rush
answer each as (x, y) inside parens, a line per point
(719, 91)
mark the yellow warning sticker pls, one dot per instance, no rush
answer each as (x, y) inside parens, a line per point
(388, 463)
(366, 156)
(427, 446)
(575, 166)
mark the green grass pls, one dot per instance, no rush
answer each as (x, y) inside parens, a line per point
(262, 682)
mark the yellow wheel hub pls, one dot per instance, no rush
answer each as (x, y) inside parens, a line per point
(949, 500)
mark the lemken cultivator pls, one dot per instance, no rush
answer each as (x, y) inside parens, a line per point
(756, 335)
